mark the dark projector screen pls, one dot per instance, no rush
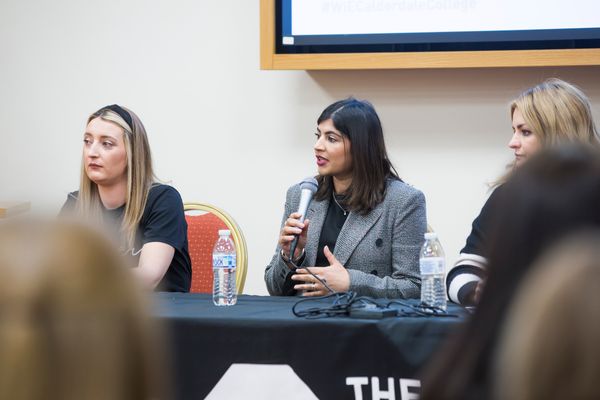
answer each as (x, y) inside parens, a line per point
(350, 26)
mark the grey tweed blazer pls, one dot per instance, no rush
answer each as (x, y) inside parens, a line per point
(380, 250)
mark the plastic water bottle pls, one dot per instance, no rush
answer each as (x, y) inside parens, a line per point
(224, 266)
(433, 272)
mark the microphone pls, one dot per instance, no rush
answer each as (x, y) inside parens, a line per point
(309, 187)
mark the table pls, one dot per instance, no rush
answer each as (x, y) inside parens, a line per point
(337, 357)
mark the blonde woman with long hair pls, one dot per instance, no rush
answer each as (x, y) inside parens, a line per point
(546, 115)
(118, 190)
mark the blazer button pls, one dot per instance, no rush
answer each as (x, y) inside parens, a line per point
(379, 242)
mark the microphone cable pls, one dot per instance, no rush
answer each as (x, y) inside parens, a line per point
(345, 302)
(420, 310)
(339, 307)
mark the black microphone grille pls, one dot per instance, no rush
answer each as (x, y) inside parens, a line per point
(309, 183)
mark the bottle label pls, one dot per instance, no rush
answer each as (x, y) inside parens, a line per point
(224, 261)
(432, 265)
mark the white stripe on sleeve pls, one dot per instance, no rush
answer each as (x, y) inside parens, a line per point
(458, 282)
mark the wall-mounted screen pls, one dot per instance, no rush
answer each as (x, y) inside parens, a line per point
(354, 26)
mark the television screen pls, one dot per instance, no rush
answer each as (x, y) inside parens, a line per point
(350, 26)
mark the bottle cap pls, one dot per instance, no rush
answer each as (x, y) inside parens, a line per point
(224, 232)
(430, 235)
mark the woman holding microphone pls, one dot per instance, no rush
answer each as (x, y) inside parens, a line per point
(364, 227)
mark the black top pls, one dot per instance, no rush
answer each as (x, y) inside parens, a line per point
(334, 221)
(473, 258)
(163, 221)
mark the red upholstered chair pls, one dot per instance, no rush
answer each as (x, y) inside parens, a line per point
(204, 222)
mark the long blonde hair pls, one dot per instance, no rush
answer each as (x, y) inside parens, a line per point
(73, 322)
(557, 112)
(140, 174)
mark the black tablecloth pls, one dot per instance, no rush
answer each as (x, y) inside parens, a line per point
(206, 340)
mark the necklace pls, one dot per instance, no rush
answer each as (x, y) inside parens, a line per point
(338, 204)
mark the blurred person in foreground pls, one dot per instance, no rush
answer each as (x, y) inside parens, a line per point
(549, 347)
(118, 190)
(73, 323)
(556, 193)
(546, 115)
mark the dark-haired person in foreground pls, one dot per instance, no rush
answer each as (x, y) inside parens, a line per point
(118, 191)
(364, 227)
(545, 115)
(553, 195)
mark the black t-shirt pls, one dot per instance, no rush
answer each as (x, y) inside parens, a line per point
(163, 221)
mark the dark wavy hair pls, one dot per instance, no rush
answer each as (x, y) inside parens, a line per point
(554, 194)
(371, 167)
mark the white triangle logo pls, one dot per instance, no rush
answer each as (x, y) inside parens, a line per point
(261, 381)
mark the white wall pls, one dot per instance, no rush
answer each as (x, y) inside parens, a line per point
(224, 132)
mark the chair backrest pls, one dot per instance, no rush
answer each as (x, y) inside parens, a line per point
(204, 222)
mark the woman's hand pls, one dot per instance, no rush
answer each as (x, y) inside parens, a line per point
(291, 228)
(475, 296)
(478, 291)
(335, 276)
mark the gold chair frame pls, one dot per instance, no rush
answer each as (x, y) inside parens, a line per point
(237, 235)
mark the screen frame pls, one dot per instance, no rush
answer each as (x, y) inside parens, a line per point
(270, 59)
